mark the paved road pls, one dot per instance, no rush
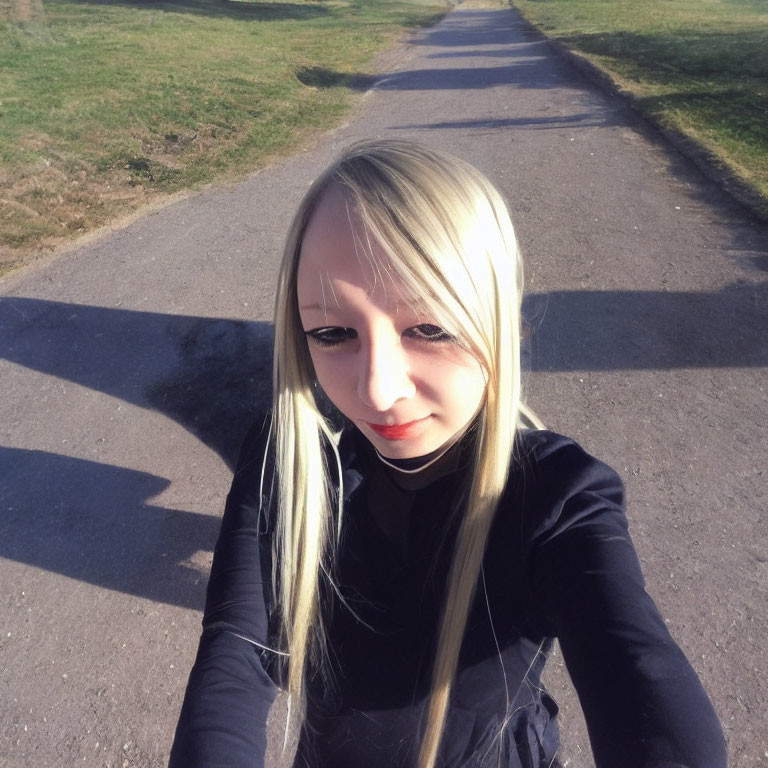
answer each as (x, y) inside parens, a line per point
(130, 366)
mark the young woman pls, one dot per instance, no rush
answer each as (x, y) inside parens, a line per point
(398, 549)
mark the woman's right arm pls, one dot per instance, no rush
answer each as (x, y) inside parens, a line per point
(643, 703)
(229, 694)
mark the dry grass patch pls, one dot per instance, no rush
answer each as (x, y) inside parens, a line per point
(106, 105)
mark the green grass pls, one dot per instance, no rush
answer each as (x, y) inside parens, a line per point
(699, 67)
(108, 104)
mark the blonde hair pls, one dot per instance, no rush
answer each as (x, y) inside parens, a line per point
(440, 224)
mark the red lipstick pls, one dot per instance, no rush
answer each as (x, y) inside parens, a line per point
(398, 431)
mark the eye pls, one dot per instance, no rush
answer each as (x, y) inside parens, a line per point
(331, 336)
(429, 332)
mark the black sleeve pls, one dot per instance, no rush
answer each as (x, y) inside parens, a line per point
(643, 703)
(224, 715)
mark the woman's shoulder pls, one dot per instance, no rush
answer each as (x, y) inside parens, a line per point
(546, 455)
(539, 444)
(252, 467)
(255, 440)
(555, 483)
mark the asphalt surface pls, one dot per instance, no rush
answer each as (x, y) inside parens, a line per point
(128, 369)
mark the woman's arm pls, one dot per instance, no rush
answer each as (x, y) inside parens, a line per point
(224, 715)
(644, 704)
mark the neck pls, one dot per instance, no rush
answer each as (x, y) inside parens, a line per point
(417, 464)
(419, 472)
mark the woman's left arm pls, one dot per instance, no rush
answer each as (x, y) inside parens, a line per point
(643, 703)
(223, 719)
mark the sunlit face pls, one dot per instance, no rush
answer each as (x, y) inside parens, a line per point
(382, 361)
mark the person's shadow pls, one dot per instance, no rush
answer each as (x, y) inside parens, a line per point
(94, 522)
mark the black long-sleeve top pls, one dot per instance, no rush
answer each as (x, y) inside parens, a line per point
(559, 563)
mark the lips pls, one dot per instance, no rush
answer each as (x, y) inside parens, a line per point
(398, 431)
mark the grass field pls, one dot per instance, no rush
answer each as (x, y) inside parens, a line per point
(699, 67)
(108, 104)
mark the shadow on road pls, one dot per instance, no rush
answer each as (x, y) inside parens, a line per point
(648, 330)
(521, 75)
(584, 120)
(91, 521)
(521, 70)
(524, 74)
(476, 28)
(208, 374)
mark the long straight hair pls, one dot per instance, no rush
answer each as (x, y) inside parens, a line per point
(446, 236)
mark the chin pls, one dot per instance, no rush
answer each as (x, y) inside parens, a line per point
(388, 451)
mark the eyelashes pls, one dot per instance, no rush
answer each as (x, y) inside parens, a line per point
(428, 332)
(333, 336)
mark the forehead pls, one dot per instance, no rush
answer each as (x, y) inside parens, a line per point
(338, 254)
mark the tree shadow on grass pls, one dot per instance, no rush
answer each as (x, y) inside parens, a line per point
(665, 57)
(736, 111)
(320, 77)
(244, 10)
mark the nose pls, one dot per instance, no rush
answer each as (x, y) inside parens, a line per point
(383, 378)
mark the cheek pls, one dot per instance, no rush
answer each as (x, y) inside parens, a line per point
(455, 379)
(333, 378)
(469, 387)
